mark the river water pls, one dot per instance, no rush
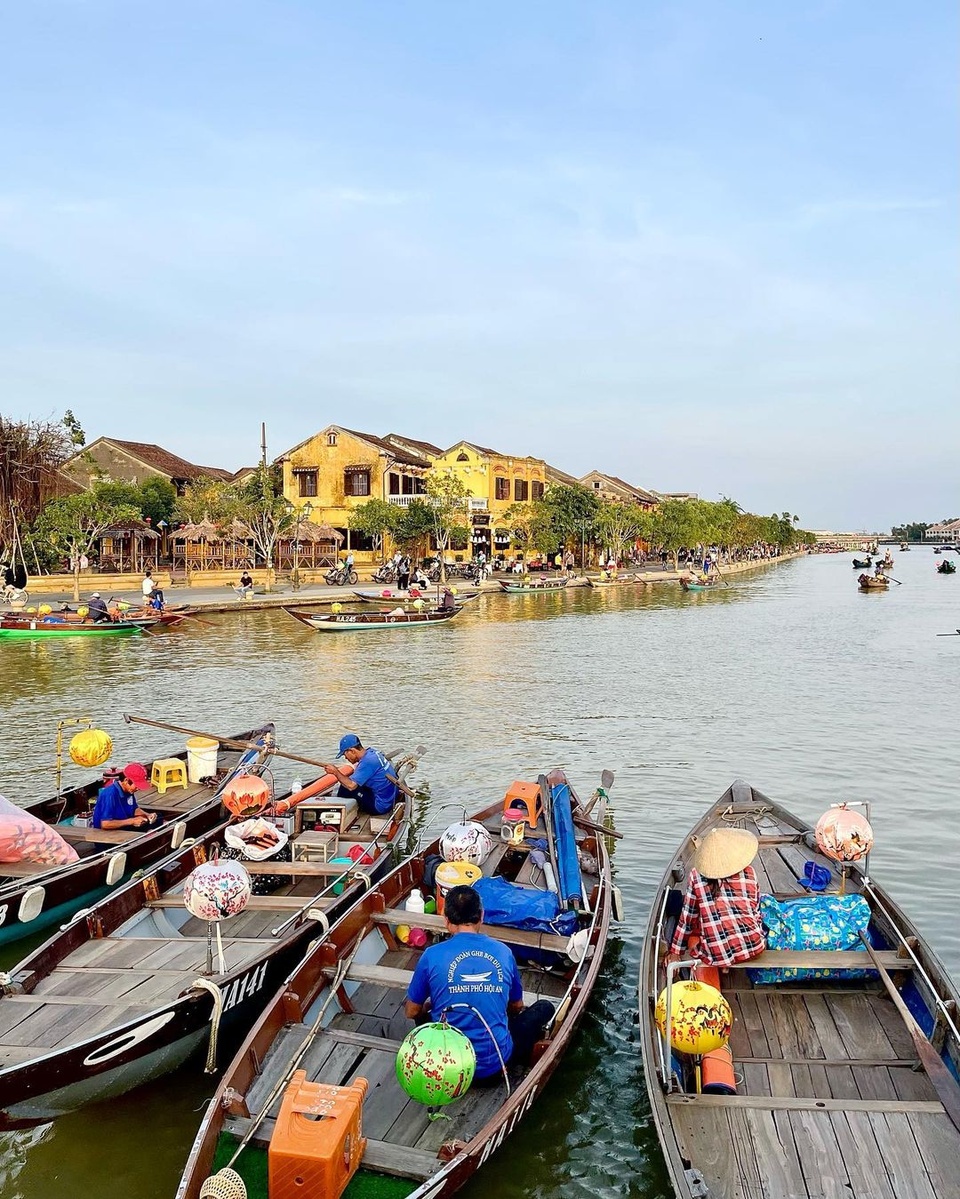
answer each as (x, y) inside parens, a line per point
(789, 678)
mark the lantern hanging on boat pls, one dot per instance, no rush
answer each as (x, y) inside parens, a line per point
(246, 795)
(435, 1064)
(217, 890)
(466, 841)
(91, 747)
(843, 835)
(700, 1017)
(337, 607)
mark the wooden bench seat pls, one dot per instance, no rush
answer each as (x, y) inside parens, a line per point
(105, 836)
(262, 903)
(391, 976)
(822, 959)
(499, 932)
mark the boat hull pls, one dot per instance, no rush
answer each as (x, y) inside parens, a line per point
(372, 622)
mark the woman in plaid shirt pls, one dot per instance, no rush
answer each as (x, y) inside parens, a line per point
(722, 903)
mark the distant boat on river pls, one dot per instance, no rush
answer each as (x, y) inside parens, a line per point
(946, 567)
(873, 583)
(530, 584)
(862, 563)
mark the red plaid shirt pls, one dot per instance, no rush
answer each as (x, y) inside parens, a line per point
(728, 923)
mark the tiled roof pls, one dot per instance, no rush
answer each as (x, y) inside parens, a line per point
(428, 448)
(555, 475)
(393, 450)
(639, 491)
(166, 463)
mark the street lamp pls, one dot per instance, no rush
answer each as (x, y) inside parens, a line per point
(303, 513)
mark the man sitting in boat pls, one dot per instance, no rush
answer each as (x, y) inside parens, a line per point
(472, 982)
(448, 600)
(116, 807)
(722, 903)
(373, 783)
(97, 609)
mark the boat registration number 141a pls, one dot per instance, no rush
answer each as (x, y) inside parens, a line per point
(242, 988)
(507, 1127)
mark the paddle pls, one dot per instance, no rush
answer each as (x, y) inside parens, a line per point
(943, 1081)
(606, 782)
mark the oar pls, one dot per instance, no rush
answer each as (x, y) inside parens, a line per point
(892, 579)
(593, 827)
(943, 1081)
(606, 782)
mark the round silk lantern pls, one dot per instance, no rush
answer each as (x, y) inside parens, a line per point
(419, 604)
(843, 835)
(217, 890)
(466, 842)
(435, 1064)
(247, 795)
(92, 747)
(83, 611)
(44, 610)
(700, 1017)
(386, 593)
(335, 608)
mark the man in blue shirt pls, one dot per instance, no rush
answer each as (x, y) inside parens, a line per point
(373, 783)
(116, 807)
(472, 982)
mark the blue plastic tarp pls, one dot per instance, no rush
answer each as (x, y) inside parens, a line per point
(566, 845)
(520, 907)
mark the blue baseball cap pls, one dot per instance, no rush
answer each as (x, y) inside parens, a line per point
(348, 741)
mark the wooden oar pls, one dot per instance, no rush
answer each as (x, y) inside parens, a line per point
(592, 826)
(606, 782)
(948, 1092)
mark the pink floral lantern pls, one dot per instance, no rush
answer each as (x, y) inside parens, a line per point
(217, 890)
(246, 795)
(843, 835)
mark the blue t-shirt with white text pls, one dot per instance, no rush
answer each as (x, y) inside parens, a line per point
(371, 772)
(468, 977)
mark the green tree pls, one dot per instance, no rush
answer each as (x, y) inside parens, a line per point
(414, 527)
(567, 515)
(448, 503)
(618, 525)
(207, 499)
(677, 525)
(71, 526)
(157, 499)
(265, 512)
(374, 519)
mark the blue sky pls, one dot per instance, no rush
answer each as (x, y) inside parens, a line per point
(699, 245)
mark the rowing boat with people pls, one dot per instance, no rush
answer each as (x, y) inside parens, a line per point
(39, 627)
(132, 987)
(873, 582)
(839, 1077)
(367, 622)
(390, 597)
(339, 1019)
(530, 584)
(617, 581)
(36, 894)
(699, 583)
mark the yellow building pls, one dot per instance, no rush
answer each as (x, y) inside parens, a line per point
(338, 469)
(494, 482)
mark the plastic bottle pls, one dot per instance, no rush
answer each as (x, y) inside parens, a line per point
(415, 901)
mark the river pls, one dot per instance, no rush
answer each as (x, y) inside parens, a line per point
(789, 678)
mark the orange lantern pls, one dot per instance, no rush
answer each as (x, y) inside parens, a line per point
(246, 795)
(843, 835)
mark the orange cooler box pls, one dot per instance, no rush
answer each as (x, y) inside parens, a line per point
(317, 1144)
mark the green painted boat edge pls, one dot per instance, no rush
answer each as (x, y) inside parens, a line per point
(54, 630)
(58, 915)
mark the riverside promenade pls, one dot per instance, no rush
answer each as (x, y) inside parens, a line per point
(283, 595)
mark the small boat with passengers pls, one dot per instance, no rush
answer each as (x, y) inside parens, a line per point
(524, 584)
(398, 617)
(946, 567)
(839, 1077)
(862, 563)
(390, 597)
(133, 986)
(36, 894)
(873, 582)
(337, 1031)
(34, 627)
(698, 582)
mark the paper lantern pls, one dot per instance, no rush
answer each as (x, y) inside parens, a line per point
(843, 835)
(435, 1064)
(466, 842)
(44, 610)
(386, 593)
(83, 611)
(419, 604)
(217, 890)
(700, 1017)
(246, 795)
(92, 747)
(335, 608)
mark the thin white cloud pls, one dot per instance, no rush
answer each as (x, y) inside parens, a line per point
(827, 211)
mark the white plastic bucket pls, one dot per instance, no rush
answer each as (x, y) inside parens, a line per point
(201, 758)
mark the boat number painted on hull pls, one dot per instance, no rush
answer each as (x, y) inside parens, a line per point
(507, 1128)
(242, 988)
(127, 1040)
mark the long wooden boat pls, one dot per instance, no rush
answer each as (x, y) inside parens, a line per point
(124, 993)
(390, 597)
(35, 897)
(873, 583)
(831, 1099)
(619, 581)
(361, 1024)
(531, 584)
(366, 622)
(946, 567)
(701, 584)
(33, 627)
(862, 563)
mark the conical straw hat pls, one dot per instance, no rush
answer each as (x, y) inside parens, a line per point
(725, 851)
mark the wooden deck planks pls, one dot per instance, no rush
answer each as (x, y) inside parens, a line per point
(939, 1146)
(901, 1156)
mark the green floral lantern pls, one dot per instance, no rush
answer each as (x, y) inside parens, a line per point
(435, 1064)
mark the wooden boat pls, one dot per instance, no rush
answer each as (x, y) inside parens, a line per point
(904, 548)
(527, 583)
(698, 584)
(831, 1099)
(887, 563)
(873, 582)
(862, 563)
(619, 581)
(366, 622)
(127, 991)
(34, 897)
(425, 1157)
(56, 626)
(402, 598)
(946, 567)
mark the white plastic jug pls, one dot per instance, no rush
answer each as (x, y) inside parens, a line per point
(415, 901)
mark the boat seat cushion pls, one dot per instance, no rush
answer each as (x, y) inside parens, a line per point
(823, 922)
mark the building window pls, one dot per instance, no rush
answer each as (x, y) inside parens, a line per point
(461, 457)
(596, 484)
(407, 483)
(356, 481)
(393, 484)
(306, 484)
(520, 490)
(502, 489)
(331, 439)
(536, 490)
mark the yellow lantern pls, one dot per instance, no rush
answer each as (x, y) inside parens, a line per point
(700, 1017)
(83, 611)
(335, 608)
(92, 747)
(44, 609)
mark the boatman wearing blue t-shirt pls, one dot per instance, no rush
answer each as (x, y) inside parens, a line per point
(472, 982)
(373, 783)
(116, 807)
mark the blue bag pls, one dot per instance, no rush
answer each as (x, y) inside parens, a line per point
(813, 922)
(521, 907)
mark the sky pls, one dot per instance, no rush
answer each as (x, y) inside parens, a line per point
(703, 246)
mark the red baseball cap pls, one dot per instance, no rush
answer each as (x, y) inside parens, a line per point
(134, 773)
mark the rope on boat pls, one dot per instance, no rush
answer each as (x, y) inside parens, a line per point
(361, 877)
(204, 984)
